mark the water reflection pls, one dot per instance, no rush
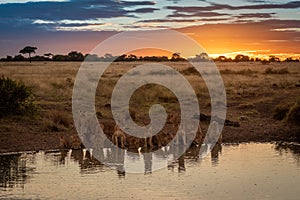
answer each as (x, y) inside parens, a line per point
(292, 148)
(16, 169)
(13, 171)
(147, 157)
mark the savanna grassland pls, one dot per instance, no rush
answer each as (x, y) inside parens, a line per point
(259, 97)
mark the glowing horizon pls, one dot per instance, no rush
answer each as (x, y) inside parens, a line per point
(255, 28)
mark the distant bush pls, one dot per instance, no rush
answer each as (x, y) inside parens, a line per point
(246, 106)
(190, 71)
(265, 62)
(270, 70)
(241, 72)
(15, 98)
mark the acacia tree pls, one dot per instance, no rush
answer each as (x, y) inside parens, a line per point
(28, 50)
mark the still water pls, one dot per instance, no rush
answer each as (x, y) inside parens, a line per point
(244, 171)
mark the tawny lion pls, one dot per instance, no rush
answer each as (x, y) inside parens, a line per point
(119, 134)
(174, 119)
(71, 142)
(148, 138)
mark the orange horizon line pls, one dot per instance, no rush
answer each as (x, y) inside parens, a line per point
(231, 55)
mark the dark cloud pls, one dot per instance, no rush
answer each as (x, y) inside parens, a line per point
(72, 10)
(135, 3)
(184, 20)
(76, 24)
(137, 27)
(215, 6)
(144, 10)
(255, 15)
(243, 21)
(276, 23)
(177, 1)
(246, 32)
(198, 14)
(257, 1)
(16, 17)
(168, 20)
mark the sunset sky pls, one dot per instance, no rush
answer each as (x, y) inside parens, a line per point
(254, 27)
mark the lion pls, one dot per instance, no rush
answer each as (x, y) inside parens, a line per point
(70, 142)
(118, 133)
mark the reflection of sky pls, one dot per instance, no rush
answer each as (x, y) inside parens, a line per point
(246, 171)
(38, 17)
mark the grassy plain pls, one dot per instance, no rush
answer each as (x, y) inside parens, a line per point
(253, 90)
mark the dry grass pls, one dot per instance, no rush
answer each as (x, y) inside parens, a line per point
(251, 94)
(247, 87)
(56, 121)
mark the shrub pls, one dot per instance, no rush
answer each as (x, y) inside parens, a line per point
(270, 70)
(190, 71)
(15, 98)
(56, 121)
(281, 111)
(240, 72)
(246, 106)
(293, 116)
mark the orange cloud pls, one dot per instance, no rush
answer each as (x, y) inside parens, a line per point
(225, 38)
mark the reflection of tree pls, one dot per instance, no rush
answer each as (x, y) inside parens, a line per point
(12, 171)
(293, 149)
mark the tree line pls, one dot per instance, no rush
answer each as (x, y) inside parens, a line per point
(78, 56)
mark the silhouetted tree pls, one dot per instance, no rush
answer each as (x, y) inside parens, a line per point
(289, 59)
(241, 58)
(121, 58)
(92, 57)
(60, 58)
(176, 57)
(203, 57)
(75, 56)
(19, 58)
(132, 57)
(28, 50)
(223, 59)
(39, 58)
(274, 59)
(8, 58)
